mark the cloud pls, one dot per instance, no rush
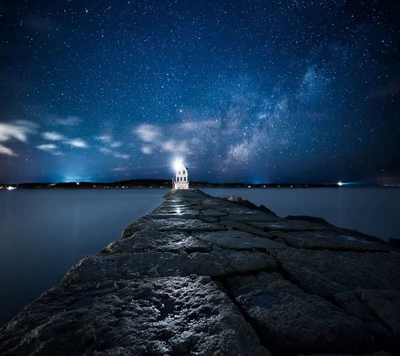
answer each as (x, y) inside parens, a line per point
(147, 150)
(50, 147)
(189, 126)
(174, 146)
(109, 151)
(77, 142)
(120, 155)
(115, 144)
(104, 138)
(105, 150)
(148, 133)
(53, 136)
(7, 151)
(16, 130)
(69, 121)
(108, 140)
(121, 169)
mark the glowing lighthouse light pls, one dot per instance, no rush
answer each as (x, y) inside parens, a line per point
(340, 184)
(181, 176)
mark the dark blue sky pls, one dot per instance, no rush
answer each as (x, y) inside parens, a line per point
(254, 91)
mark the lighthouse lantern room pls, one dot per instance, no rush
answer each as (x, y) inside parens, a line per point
(181, 176)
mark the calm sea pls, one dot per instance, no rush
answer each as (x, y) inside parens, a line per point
(43, 233)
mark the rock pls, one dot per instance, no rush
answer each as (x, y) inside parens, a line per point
(241, 226)
(289, 320)
(394, 242)
(159, 316)
(170, 224)
(258, 216)
(146, 240)
(287, 225)
(385, 304)
(326, 273)
(330, 240)
(124, 266)
(238, 240)
(353, 305)
(213, 212)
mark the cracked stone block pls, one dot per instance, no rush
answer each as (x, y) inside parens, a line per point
(330, 240)
(238, 210)
(288, 225)
(188, 225)
(234, 239)
(327, 273)
(259, 216)
(145, 240)
(351, 304)
(157, 264)
(160, 316)
(385, 304)
(214, 212)
(289, 320)
(241, 226)
(170, 224)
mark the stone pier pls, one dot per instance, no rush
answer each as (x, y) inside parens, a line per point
(210, 276)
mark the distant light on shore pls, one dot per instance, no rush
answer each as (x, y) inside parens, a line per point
(340, 184)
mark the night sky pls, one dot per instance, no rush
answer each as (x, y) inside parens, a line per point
(253, 91)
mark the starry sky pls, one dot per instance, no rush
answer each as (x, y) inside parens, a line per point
(255, 91)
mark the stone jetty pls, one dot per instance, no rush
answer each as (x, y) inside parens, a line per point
(210, 276)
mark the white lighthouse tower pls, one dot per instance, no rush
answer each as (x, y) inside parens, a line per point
(181, 176)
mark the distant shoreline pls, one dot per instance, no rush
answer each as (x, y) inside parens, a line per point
(162, 183)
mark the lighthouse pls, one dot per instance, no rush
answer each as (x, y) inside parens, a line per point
(181, 176)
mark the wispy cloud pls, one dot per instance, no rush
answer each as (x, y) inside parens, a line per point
(120, 155)
(16, 130)
(108, 140)
(53, 136)
(121, 169)
(7, 151)
(51, 148)
(148, 133)
(115, 144)
(174, 146)
(152, 138)
(147, 150)
(69, 121)
(77, 142)
(105, 150)
(110, 144)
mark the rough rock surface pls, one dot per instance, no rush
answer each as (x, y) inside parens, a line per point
(210, 276)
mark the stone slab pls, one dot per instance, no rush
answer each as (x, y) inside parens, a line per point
(161, 316)
(330, 240)
(287, 225)
(385, 304)
(158, 264)
(290, 321)
(238, 240)
(146, 240)
(170, 224)
(327, 273)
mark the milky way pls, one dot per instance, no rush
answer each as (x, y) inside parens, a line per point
(252, 91)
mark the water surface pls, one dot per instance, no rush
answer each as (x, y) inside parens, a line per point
(43, 233)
